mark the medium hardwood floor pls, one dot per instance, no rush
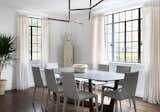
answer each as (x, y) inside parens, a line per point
(21, 101)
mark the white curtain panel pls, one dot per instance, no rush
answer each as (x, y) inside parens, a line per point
(98, 40)
(45, 43)
(152, 51)
(24, 75)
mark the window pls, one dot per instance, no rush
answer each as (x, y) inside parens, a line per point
(123, 38)
(35, 32)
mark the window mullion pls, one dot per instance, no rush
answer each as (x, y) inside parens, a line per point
(113, 37)
(31, 43)
(125, 34)
(139, 35)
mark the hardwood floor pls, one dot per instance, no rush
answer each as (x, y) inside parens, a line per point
(21, 101)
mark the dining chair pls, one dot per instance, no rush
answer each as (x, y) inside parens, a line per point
(119, 69)
(101, 67)
(126, 92)
(53, 86)
(54, 66)
(37, 82)
(71, 91)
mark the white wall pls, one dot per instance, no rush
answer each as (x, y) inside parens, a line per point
(8, 26)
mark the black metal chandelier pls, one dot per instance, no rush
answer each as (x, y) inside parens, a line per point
(78, 9)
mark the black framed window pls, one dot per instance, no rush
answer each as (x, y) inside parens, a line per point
(123, 38)
(35, 33)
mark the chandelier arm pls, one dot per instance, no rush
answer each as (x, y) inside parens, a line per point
(96, 4)
(80, 9)
(62, 20)
(90, 10)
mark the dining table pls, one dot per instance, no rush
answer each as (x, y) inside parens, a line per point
(96, 75)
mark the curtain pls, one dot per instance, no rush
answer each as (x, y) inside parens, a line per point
(98, 40)
(152, 51)
(45, 43)
(23, 67)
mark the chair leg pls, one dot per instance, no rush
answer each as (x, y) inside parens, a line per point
(57, 102)
(134, 104)
(34, 93)
(116, 107)
(96, 101)
(120, 106)
(64, 104)
(83, 105)
(47, 100)
(129, 102)
(102, 100)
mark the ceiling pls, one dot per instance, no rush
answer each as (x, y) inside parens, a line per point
(57, 6)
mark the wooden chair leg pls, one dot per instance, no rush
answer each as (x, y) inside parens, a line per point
(134, 104)
(96, 101)
(64, 104)
(102, 100)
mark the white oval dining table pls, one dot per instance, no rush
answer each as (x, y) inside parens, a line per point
(97, 76)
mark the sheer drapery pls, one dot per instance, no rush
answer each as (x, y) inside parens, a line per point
(98, 40)
(23, 75)
(45, 43)
(152, 51)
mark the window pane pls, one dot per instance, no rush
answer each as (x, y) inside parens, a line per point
(116, 27)
(128, 15)
(134, 57)
(34, 56)
(34, 31)
(121, 35)
(135, 14)
(135, 25)
(129, 37)
(116, 17)
(135, 47)
(129, 26)
(128, 57)
(109, 37)
(121, 47)
(34, 47)
(39, 31)
(128, 47)
(109, 19)
(116, 37)
(109, 29)
(122, 28)
(135, 36)
(122, 16)
(39, 22)
(34, 22)
(34, 39)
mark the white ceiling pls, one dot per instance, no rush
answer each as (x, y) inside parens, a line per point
(58, 6)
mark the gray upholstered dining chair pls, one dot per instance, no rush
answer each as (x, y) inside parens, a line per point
(119, 69)
(101, 67)
(71, 91)
(53, 86)
(54, 66)
(37, 82)
(126, 92)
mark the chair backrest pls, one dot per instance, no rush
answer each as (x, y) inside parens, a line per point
(37, 77)
(103, 67)
(130, 84)
(51, 80)
(123, 69)
(52, 65)
(69, 86)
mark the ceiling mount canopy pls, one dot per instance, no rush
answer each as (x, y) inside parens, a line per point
(91, 6)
